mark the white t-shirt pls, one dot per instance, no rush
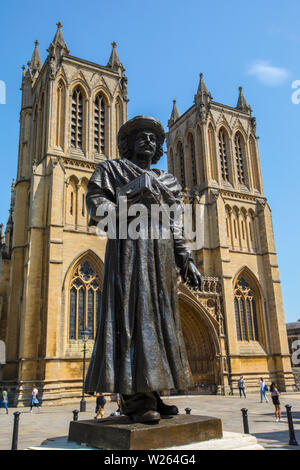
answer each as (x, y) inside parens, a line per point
(262, 384)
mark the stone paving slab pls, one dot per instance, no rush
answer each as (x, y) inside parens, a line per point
(53, 421)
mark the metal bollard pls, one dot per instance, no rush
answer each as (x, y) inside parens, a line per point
(14, 444)
(75, 415)
(245, 420)
(292, 441)
(188, 411)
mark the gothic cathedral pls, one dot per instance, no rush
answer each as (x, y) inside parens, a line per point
(51, 262)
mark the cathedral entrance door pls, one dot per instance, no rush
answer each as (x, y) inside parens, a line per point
(200, 350)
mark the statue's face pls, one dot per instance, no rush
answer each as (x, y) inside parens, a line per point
(145, 145)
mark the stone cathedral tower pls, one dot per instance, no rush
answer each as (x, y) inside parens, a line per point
(213, 151)
(52, 261)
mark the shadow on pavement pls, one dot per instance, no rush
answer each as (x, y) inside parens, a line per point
(276, 439)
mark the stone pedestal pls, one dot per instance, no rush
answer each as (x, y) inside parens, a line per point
(120, 433)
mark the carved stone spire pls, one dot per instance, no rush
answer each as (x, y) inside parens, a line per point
(202, 88)
(174, 115)
(56, 50)
(242, 103)
(6, 251)
(35, 63)
(202, 99)
(114, 60)
(28, 78)
(12, 203)
(58, 46)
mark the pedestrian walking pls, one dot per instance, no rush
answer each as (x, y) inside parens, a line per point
(4, 399)
(118, 400)
(118, 410)
(100, 403)
(241, 385)
(34, 401)
(263, 389)
(275, 398)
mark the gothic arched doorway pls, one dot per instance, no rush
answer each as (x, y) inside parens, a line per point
(201, 350)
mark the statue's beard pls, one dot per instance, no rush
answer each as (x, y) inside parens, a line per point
(145, 156)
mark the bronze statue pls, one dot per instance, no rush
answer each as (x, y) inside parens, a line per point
(139, 348)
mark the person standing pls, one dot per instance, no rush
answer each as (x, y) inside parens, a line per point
(4, 399)
(263, 389)
(100, 403)
(118, 400)
(275, 398)
(34, 398)
(241, 385)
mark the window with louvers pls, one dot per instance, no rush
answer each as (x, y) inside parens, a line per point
(239, 159)
(223, 146)
(77, 119)
(193, 160)
(99, 125)
(181, 163)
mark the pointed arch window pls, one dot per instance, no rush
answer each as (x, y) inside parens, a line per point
(119, 117)
(35, 133)
(71, 202)
(77, 119)
(85, 296)
(181, 164)
(254, 164)
(245, 305)
(193, 159)
(99, 124)
(171, 161)
(212, 153)
(223, 147)
(60, 113)
(239, 157)
(41, 121)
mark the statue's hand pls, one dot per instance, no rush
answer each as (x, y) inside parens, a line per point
(193, 276)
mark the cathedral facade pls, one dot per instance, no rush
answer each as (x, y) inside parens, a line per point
(51, 263)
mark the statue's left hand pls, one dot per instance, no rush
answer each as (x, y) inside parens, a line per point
(193, 276)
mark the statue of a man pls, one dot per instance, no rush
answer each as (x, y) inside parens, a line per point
(139, 348)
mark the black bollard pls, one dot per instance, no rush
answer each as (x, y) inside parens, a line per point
(75, 415)
(245, 420)
(188, 411)
(14, 444)
(292, 441)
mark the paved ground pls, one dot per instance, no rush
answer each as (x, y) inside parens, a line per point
(53, 421)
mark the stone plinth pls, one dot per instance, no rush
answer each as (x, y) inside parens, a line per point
(121, 433)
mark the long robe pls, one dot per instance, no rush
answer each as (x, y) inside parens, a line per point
(139, 344)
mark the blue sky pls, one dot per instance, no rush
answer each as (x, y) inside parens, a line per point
(164, 45)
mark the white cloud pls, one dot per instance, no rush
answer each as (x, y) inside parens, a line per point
(267, 73)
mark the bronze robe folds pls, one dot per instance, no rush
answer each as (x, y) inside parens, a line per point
(139, 344)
